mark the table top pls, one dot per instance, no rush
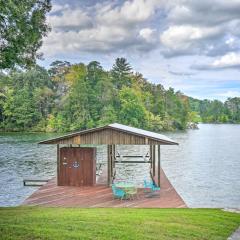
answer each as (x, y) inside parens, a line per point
(124, 185)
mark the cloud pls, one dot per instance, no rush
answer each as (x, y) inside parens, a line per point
(101, 28)
(186, 39)
(182, 74)
(131, 12)
(176, 28)
(204, 12)
(148, 34)
(230, 93)
(57, 7)
(200, 27)
(228, 61)
(70, 19)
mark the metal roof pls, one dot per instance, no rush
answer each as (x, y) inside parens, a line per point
(119, 127)
(139, 131)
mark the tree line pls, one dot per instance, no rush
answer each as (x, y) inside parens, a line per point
(69, 97)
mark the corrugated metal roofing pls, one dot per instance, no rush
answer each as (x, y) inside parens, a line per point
(140, 132)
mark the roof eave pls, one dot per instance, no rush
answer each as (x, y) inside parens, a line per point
(53, 140)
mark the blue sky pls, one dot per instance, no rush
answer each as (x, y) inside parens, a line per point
(192, 46)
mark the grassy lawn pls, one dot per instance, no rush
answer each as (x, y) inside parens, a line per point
(76, 223)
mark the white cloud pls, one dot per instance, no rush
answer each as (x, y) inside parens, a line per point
(131, 12)
(230, 93)
(184, 27)
(104, 27)
(200, 27)
(204, 12)
(186, 38)
(56, 8)
(147, 34)
(228, 61)
(69, 18)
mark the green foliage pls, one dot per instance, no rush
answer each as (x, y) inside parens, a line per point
(132, 111)
(73, 97)
(20, 110)
(194, 117)
(121, 73)
(22, 26)
(216, 111)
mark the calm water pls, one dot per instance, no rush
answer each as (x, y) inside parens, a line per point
(204, 168)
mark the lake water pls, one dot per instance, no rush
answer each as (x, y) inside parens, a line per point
(204, 168)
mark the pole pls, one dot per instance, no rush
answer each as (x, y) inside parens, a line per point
(159, 164)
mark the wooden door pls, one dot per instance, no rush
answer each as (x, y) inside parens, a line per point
(77, 166)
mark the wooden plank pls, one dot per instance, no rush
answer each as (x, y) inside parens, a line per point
(101, 196)
(77, 166)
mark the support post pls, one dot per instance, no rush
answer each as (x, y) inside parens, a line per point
(159, 165)
(111, 159)
(109, 177)
(154, 161)
(113, 155)
(151, 155)
(58, 164)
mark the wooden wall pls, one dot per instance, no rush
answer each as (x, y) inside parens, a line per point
(106, 136)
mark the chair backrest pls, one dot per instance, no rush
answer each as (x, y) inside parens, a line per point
(118, 191)
(113, 189)
(148, 184)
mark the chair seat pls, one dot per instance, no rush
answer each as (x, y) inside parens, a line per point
(151, 186)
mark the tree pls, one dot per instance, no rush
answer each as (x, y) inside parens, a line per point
(132, 110)
(20, 110)
(22, 27)
(73, 97)
(76, 109)
(121, 73)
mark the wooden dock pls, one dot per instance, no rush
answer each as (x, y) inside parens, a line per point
(100, 195)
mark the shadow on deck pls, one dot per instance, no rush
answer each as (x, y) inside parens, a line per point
(100, 195)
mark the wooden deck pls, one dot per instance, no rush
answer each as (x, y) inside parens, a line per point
(100, 195)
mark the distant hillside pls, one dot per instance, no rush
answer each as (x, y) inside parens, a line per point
(215, 111)
(69, 97)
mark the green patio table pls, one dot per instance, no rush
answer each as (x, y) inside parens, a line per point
(124, 185)
(129, 188)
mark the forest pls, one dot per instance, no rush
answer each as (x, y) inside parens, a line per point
(68, 97)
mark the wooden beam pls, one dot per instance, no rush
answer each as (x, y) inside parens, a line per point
(154, 160)
(159, 164)
(110, 165)
(58, 163)
(114, 155)
(30, 182)
(151, 156)
(131, 156)
(132, 162)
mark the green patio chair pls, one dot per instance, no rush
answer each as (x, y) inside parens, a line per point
(118, 192)
(132, 193)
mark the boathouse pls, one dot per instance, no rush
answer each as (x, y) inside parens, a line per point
(76, 162)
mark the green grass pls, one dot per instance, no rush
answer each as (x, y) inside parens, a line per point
(30, 223)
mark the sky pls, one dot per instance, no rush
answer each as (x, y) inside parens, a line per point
(192, 46)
